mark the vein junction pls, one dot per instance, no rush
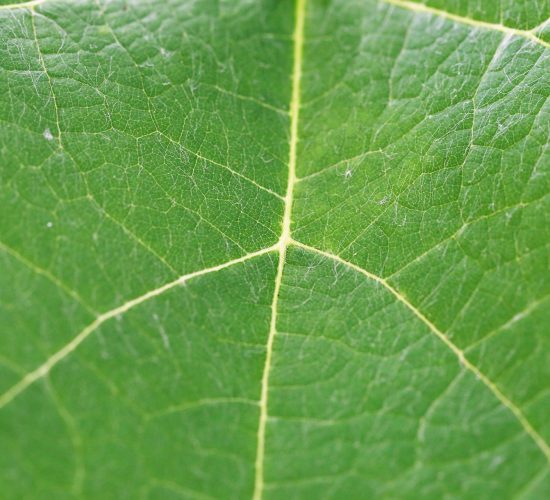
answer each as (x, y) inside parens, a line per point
(529, 429)
(284, 241)
(53, 360)
(281, 247)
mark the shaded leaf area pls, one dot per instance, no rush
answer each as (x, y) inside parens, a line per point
(163, 397)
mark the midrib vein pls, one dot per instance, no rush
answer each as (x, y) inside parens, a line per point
(284, 241)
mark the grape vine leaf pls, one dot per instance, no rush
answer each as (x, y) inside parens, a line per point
(268, 249)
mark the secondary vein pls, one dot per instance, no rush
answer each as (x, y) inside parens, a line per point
(421, 8)
(284, 241)
(22, 5)
(53, 360)
(522, 419)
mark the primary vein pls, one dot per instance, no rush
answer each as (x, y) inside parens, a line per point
(284, 241)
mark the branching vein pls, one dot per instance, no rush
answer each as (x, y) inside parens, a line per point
(281, 247)
(522, 419)
(53, 360)
(284, 241)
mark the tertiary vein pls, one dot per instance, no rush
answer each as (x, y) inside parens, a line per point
(57, 357)
(281, 247)
(35, 268)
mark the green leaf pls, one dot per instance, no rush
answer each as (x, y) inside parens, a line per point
(257, 249)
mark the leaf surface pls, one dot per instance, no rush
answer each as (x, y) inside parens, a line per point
(274, 250)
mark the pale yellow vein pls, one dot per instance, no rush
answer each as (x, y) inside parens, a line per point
(522, 419)
(424, 9)
(284, 241)
(53, 360)
(23, 5)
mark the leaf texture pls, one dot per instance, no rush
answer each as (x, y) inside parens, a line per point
(266, 249)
